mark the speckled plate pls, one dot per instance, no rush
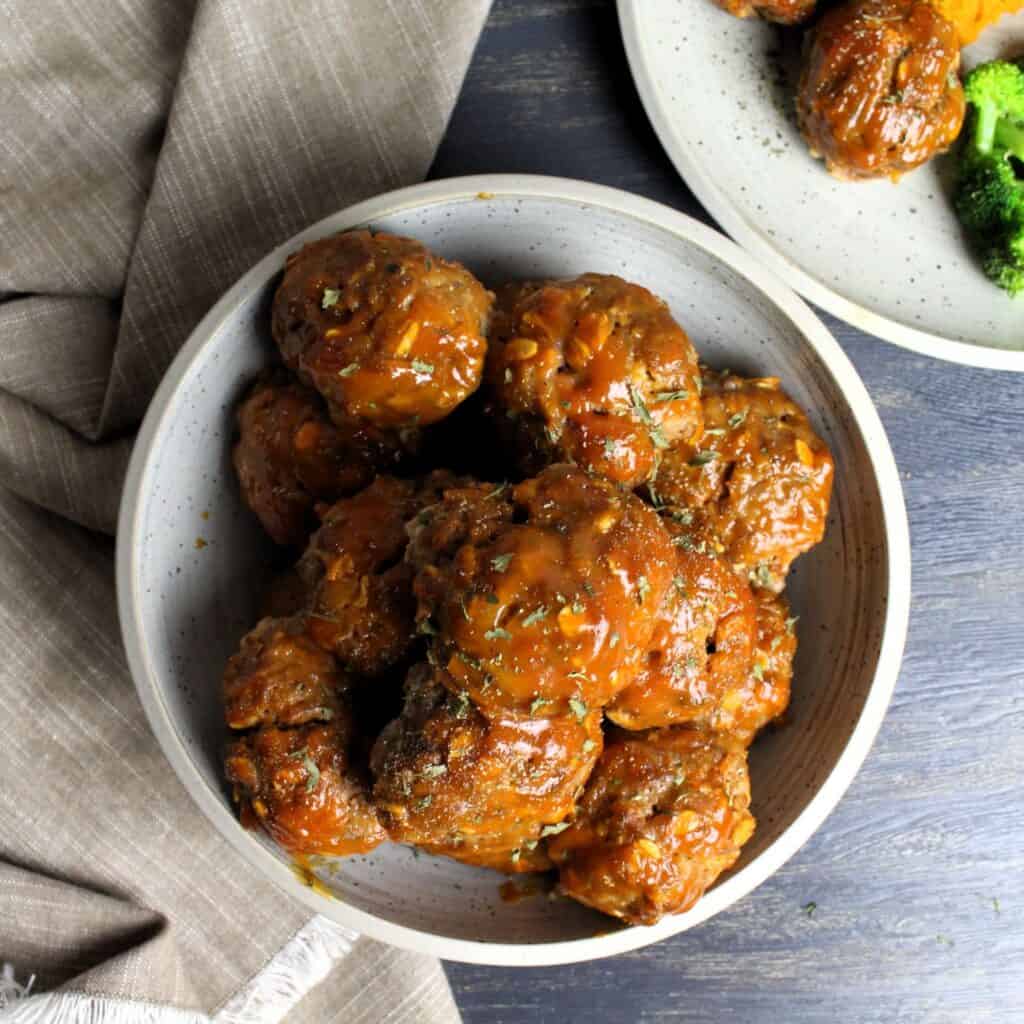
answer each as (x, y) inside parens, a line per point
(191, 559)
(887, 258)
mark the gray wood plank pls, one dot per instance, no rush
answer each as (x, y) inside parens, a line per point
(918, 876)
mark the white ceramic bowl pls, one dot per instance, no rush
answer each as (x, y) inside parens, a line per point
(891, 260)
(184, 606)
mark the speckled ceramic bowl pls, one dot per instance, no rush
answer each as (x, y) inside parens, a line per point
(190, 556)
(890, 259)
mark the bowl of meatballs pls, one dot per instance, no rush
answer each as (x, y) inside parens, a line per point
(512, 570)
(852, 147)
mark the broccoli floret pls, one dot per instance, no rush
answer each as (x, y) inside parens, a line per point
(989, 197)
(996, 92)
(1004, 263)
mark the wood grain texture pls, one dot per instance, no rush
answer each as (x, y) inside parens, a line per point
(918, 876)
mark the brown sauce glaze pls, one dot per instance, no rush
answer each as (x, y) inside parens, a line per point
(664, 813)
(484, 790)
(289, 456)
(759, 482)
(389, 333)
(879, 94)
(551, 609)
(592, 371)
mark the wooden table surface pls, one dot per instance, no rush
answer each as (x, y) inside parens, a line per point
(918, 875)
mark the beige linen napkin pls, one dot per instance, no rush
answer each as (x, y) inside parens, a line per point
(150, 151)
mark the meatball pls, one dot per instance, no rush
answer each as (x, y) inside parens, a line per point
(289, 456)
(701, 653)
(362, 606)
(281, 677)
(551, 608)
(389, 333)
(783, 12)
(286, 594)
(484, 790)
(593, 371)
(663, 815)
(301, 786)
(764, 696)
(879, 93)
(760, 480)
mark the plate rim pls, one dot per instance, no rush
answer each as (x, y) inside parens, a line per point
(894, 630)
(703, 185)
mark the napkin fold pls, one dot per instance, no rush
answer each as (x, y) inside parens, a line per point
(151, 152)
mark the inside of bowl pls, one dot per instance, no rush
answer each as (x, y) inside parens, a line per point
(203, 559)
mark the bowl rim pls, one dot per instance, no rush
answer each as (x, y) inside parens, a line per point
(701, 181)
(894, 632)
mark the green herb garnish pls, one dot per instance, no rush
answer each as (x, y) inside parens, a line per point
(536, 615)
(421, 366)
(331, 297)
(553, 830)
(578, 708)
(501, 562)
(497, 634)
(312, 773)
(347, 371)
(658, 439)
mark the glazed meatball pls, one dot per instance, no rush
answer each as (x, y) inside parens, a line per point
(552, 607)
(390, 334)
(879, 94)
(301, 787)
(482, 790)
(362, 605)
(663, 815)
(592, 371)
(289, 456)
(783, 12)
(281, 677)
(765, 695)
(287, 594)
(759, 481)
(702, 651)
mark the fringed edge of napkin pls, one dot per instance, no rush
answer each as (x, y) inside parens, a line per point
(76, 1008)
(298, 966)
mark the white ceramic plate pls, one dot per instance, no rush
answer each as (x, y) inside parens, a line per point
(183, 608)
(887, 258)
